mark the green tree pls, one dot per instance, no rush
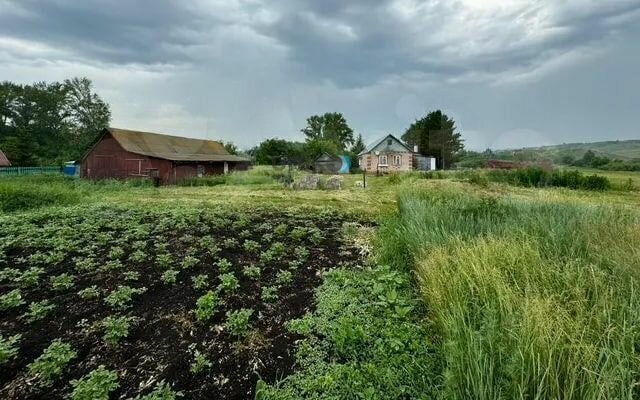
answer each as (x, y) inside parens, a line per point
(277, 152)
(330, 127)
(47, 123)
(436, 136)
(230, 148)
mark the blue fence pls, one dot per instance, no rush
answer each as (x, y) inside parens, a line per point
(23, 171)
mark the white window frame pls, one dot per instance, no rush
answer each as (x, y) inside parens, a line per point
(386, 160)
(397, 160)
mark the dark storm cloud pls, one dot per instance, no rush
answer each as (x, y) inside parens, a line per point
(113, 31)
(357, 43)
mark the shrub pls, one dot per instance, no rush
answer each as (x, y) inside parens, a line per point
(8, 348)
(95, 386)
(238, 321)
(116, 328)
(251, 246)
(206, 306)
(52, 362)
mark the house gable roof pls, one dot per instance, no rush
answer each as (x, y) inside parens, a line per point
(174, 148)
(381, 141)
(4, 161)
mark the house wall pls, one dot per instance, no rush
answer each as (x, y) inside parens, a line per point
(370, 162)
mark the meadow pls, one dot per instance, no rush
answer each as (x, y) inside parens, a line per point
(457, 286)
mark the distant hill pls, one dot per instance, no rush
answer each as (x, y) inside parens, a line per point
(615, 150)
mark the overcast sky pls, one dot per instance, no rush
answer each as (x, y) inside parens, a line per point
(511, 72)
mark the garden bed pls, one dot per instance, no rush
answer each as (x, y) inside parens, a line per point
(190, 301)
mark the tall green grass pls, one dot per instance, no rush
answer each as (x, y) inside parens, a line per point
(532, 300)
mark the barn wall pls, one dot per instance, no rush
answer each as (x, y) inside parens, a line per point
(108, 160)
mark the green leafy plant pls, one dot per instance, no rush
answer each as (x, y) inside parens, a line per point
(206, 306)
(162, 391)
(251, 246)
(138, 256)
(62, 282)
(11, 300)
(89, 293)
(38, 310)
(164, 260)
(200, 362)
(131, 276)
(284, 277)
(121, 297)
(9, 348)
(281, 229)
(238, 321)
(169, 276)
(230, 243)
(252, 271)
(224, 265)
(116, 328)
(189, 262)
(95, 386)
(269, 294)
(9, 274)
(200, 282)
(52, 362)
(228, 282)
(116, 252)
(30, 277)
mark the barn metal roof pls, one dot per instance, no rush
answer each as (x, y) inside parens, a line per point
(4, 161)
(174, 148)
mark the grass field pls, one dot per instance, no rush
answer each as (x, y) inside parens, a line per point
(450, 288)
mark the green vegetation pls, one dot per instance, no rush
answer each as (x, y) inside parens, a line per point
(116, 328)
(9, 348)
(531, 299)
(238, 321)
(206, 306)
(52, 362)
(95, 386)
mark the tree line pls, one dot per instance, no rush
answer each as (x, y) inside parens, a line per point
(435, 135)
(50, 123)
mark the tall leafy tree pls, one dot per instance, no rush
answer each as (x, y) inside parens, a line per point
(47, 123)
(436, 136)
(330, 127)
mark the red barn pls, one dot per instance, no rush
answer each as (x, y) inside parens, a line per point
(4, 161)
(124, 154)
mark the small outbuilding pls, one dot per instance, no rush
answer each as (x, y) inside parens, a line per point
(331, 164)
(4, 161)
(126, 154)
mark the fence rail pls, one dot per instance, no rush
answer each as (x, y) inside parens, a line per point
(22, 171)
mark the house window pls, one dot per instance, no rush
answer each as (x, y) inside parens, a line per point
(389, 142)
(382, 161)
(397, 160)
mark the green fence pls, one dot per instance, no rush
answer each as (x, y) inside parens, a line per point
(22, 171)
